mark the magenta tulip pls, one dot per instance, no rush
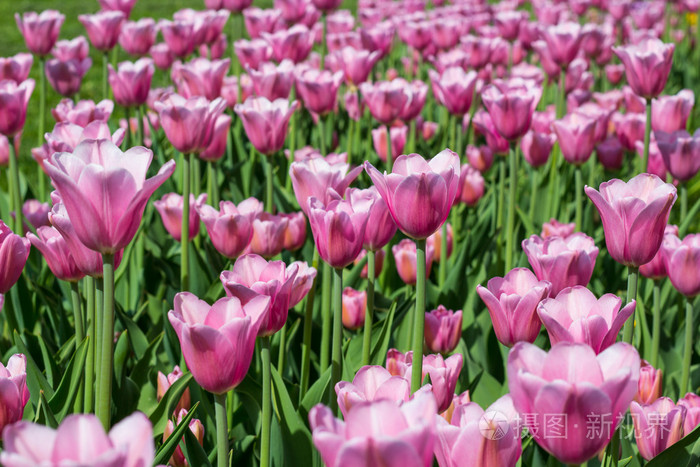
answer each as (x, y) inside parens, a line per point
(512, 303)
(55, 250)
(454, 89)
(103, 28)
(682, 261)
(82, 112)
(16, 68)
(179, 35)
(574, 385)
(217, 147)
(273, 81)
(537, 147)
(576, 136)
(386, 99)
(656, 268)
(647, 65)
(554, 228)
(137, 37)
(231, 228)
(563, 42)
(252, 54)
(196, 428)
(610, 153)
(443, 329)
(163, 383)
(317, 178)
(252, 277)
(319, 89)
(13, 105)
(266, 122)
(200, 77)
(691, 402)
(13, 390)
(670, 113)
(371, 383)
(170, 209)
(40, 31)
(355, 64)
(381, 228)
(125, 6)
(189, 123)
(657, 425)
(634, 216)
(294, 43)
(36, 213)
(485, 126)
(14, 251)
(680, 152)
(326, 5)
(131, 82)
(480, 157)
(650, 381)
(258, 21)
(66, 77)
(303, 281)
(405, 258)
(471, 186)
(269, 231)
(162, 56)
(354, 305)
(74, 49)
(398, 141)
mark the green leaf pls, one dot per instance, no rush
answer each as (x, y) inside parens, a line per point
(139, 342)
(194, 452)
(159, 417)
(141, 370)
(315, 393)
(167, 449)
(35, 378)
(62, 401)
(684, 452)
(44, 415)
(294, 430)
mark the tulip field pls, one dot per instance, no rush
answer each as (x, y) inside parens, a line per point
(405, 233)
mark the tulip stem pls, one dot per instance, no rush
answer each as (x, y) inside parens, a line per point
(632, 276)
(579, 198)
(99, 303)
(501, 197)
(322, 135)
(14, 188)
(684, 200)
(688, 350)
(212, 185)
(337, 332)
(351, 128)
(266, 402)
(442, 272)
(41, 180)
(79, 334)
(104, 400)
(221, 430)
(647, 136)
(656, 326)
(140, 126)
(325, 315)
(282, 349)
(389, 154)
(269, 184)
(105, 74)
(418, 318)
(308, 328)
(90, 359)
(324, 44)
(411, 137)
(187, 160)
(534, 188)
(510, 226)
(561, 96)
(129, 140)
(369, 312)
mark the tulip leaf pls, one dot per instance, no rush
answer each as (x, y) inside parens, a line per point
(141, 370)
(62, 400)
(159, 417)
(315, 393)
(684, 452)
(138, 340)
(294, 431)
(36, 381)
(194, 452)
(44, 415)
(167, 449)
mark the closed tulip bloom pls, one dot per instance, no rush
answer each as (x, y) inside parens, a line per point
(170, 209)
(13, 110)
(381, 228)
(435, 242)
(381, 432)
(600, 114)
(480, 157)
(314, 177)
(511, 105)
(294, 43)
(398, 141)
(537, 147)
(576, 136)
(14, 251)
(73, 49)
(355, 64)
(319, 89)
(83, 112)
(163, 383)
(137, 37)
(131, 82)
(680, 152)
(303, 281)
(56, 253)
(251, 54)
(200, 77)
(647, 65)
(66, 136)
(13, 389)
(266, 122)
(471, 186)
(563, 42)
(295, 233)
(66, 77)
(189, 123)
(354, 304)
(443, 329)
(386, 99)
(554, 228)
(104, 213)
(484, 125)
(656, 268)
(36, 213)
(610, 153)
(231, 227)
(179, 35)
(562, 261)
(219, 140)
(682, 261)
(512, 303)
(371, 383)
(670, 113)
(258, 21)
(454, 89)
(125, 6)
(634, 216)
(40, 31)
(629, 129)
(16, 68)
(691, 402)
(269, 231)
(178, 458)
(473, 436)
(292, 10)
(405, 259)
(103, 28)
(326, 5)
(251, 277)
(419, 193)
(657, 425)
(80, 439)
(273, 81)
(650, 381)
(162, 56)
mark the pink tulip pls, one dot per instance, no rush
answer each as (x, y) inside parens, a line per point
(303, 281)
(554, 228)
(229, 90)
(355, 64)
(251, 54)
(228, 328)
(435, 242)
(74, 49)
(292, 10)
(512, 303)
(326, 5)
(691, 402)
(295, 233)
(398, 141)
(485, 126)
(66, 77)
(163, 383)
(650, 380)
(234, 6)
(55, 250)
(682, 261)
(16, 68)
(379, 37)
(680, 152)
(386, 99)
(629, 129)
(354, 106)
(14, 392)
(103, 28)
(379, 433)
(207, 25)
(511, 105)
(82, 112)
(354, 305)
(412, 110)
(200, 77)
(378, 263)
(576, 385)
(216, 50)
(162, 56)
(480, 157)
(179, 36)
(273, 81)
(125, 6)
(471, 186)
(443, 329)
(178, 458)
(380, 225)
(308, 153)
(252, 277)
(231, 228)
(417, 34)
(419, 193)
(266, 122)
(318, 89)
(614, 73)
(170, 209)
(537, 147)
(563, 41)
(131, 82)
(454, 89)
(40, 31)
(217, 148)
(473, 436)
(576, 136)
(656, 268)
(647, 65)
(258, 21)
(13, 111)
(610, 153)
(670, 113)
(634, 216)
(406, 263)
(36, 213)
(269, 231)
(80, 439)
(189, 123)
(657, 425)
(371, 383)
(601, 116)
(14, 251)
(137, 37)
(90, 196)
(294, 43)
(316, 178)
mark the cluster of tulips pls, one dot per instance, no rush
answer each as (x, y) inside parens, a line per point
(373, 365)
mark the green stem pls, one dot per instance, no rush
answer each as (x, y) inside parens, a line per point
(187, 160)
(510, 225)
(325, 316)
(337, 332)
(647, 136)
(139, 122)
(282, 349)
(221, 430)
(351, 130)
(389, 154)
(411, 137)
(99, 329)
(266, 402)
(41, 179)
(684, 201)
(369, 312)
(561, 96)
(104, 397)
(322, 134)
(501, 196)
(632, 277)
(269, 184)
(453, 132)
(688, 349)
(579, 198)
(418, 318)
(105, 74)
(212, 185)
(90, 359)
(534, 191)
(77, 313)
(656, 326)
(15, 188)
(460, 136)
(129, 140)
(308, 328)
(324, 45)
(442, 272)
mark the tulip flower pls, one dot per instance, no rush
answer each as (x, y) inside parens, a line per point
(55, 250)
(610, 153)
(131, 82)
(14, 251)
(405, 436)
(680, 152)
(670, 113)
(647, 65)
(170, 209)
(179, 36)
(371, 383)
(576, 136)
(656, 268)
(266, 122)
(398, 141)
(66, 77)
(13, 111)
(40, 31)
(318, 89)
(454, 89)
(315, 177)
(252, 54)
(443, 329)
(650, 380)
(511, 105)
(273, 81)
(103, 28)
(269, 232)
(563, 41)
(294, 43)
(295, 233)
(16, 68)
(77, 48)
(576, 385)
(554, 228)
(230, 228)
(137, 37)
(471, 186)
(355, 64)
(83, 112)
(480, 157)
(562, 261)
(512, 303)
(129, 443)
(657, 425)
(258, 21)
(125, 6)
(189, 123)
(36, 213)
(217, 147)
(303, 281)
(163, 383)
(15, 394)
(537, 147)
(195, 426)
(681, 259)
(483, 123)
(473, 436)
(691, 402)
(386, 99)
(354, 304)
(406, 263)
(200, 77)
(162, 56)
